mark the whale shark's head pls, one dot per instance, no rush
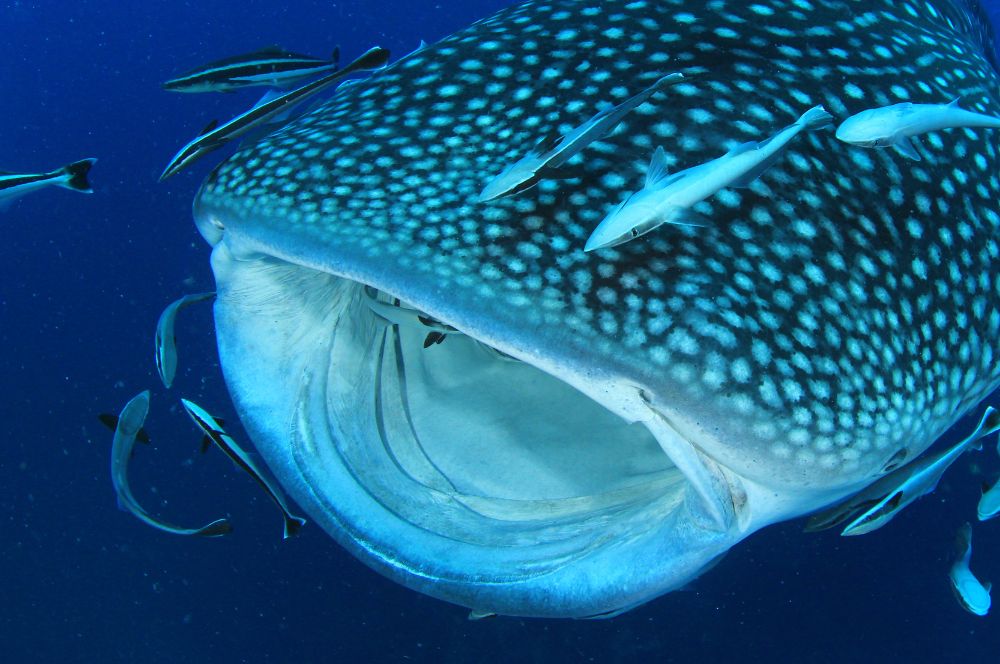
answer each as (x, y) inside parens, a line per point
(478, 408)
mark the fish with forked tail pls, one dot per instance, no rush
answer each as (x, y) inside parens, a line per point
(897, 126)
(128, 428)
(214, 136)
(214, 431)
(73, 177)
(272, 66)
(667, 199)
(554, 151)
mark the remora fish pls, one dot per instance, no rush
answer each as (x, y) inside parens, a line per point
(877, 505)
(673, 395)
(554, 151)
(398, 314)
(272, 67)
(971, 594)
(74, 176)
(214, 431)
(215, 136)
(165, 341)
(128, 426)
(897, 126)
(666, 199)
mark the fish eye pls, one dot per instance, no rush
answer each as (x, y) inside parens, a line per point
(634, 232)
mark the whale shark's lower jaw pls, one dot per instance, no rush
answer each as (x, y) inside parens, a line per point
(457, 469)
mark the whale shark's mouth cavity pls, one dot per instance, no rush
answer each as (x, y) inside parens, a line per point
(446, 463)
(473, 445)
(502, 445)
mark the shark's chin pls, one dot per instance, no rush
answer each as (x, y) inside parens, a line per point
(459, 470)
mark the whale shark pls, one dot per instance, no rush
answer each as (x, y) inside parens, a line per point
(600, 428)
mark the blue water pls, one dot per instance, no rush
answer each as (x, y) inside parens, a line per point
(82, 281)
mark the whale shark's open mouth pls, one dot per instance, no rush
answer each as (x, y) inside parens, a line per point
(451, 464)
(533, 429)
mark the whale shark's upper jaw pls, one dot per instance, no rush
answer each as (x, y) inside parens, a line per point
(677, 391)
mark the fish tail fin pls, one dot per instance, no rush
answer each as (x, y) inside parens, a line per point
(816, 118)
(292, 525)
(76, 176)
(668, 80)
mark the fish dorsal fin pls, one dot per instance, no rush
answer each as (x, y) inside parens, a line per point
(210, 127)
(954, 102)
(988, 586)
(335, 56)
(905, 147)
(744, 147)
(272, 49)
(547, 142)
(657, 167)
(604, 108)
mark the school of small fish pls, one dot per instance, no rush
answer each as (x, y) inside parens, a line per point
(664, 199)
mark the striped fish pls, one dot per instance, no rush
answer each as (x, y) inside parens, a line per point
(270, 67)
(73, 176)
(214, 136)
(670, 396)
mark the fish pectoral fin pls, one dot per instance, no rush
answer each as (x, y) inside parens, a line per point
(657, 168)
(209, 127)
(687, 217)
(546, 143)
(268, 96)
(906, 147)
(575, 172)
(747, 178)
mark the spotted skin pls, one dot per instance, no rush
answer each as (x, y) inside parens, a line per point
(843, 307)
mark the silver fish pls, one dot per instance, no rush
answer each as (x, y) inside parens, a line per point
(973, 595)
(128, 426)
(554, 151)
(214, 136)
(211, 427)
(672, 396)
(881, 501)
(73, 177)
(897, 126)
(165, 342)
(667, 199)
(271, 67)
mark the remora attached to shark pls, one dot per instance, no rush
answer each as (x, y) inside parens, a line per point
(672, 396)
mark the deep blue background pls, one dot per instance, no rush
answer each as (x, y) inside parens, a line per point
(82, 281)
